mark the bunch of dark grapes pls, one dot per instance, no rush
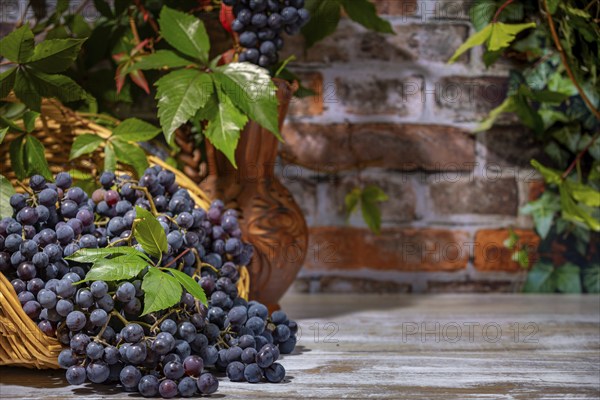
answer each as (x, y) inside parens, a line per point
(166, 353)
(260, 24)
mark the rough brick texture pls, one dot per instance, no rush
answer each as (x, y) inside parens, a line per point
(396, 249)
(491, 255)
(389, 111)
(332, 147)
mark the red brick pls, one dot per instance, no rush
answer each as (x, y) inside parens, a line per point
(535, 188)
(468, 99)
(335, 147)
(399, 249)
(309, 106)
(474, 195)
(375, 95)
(412, 42)
(492, 255)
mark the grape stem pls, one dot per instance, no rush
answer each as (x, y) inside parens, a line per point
(159, 321)
(148, 196)
(99, 335)
(173, 261)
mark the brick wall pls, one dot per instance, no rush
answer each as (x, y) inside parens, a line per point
(391, 106)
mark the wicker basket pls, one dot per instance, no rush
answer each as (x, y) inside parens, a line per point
(21, 341)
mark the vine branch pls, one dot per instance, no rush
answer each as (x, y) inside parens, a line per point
(565, 61)
(580, 156)
(147, 16)
(500, 9)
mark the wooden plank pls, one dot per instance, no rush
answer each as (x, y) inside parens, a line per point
(377, 347)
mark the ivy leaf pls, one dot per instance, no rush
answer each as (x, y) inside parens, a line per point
(103, 8)
(591, 279)
(121, 267)
(17, 162)
(223, 130)
(568, 278)
(135, 130)
(251, 89)
(543, 211)
(6, 190)
(370, 197)
(550, 175)
(575, 213)
(161, 291)
(93, 255)
(552, 5)
(190, 285)
(521, 257)
(352, 199)
(180, 94)
(18, 45)
(7, 81)
(149, 233)
(29, 119)
(110, 159)
(55, 55)
(583, 193)
(161, 59)
(131, 154)
(36, 158)
(503, 34)
(540, 279)
(527, 114)
(184, 32)
(481, 13)
(325, 17)
(477, 39)
(364, 12)
(85, 144)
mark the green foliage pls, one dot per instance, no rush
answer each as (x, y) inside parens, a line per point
(6, 190)
(559, 102)
(161, 290)
(150, 234)
(35, 77)
(368, 199)
(326, 15)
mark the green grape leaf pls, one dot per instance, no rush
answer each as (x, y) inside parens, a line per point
(550, 175)
(591, 279)
(540, 279)
(85, 144)
(149, 233)
(224, 129)
(325, 17)
(29, 119)
(476, 39)
(568, 278)
(7, 81)
(161, 59)
(503, 34)
(17, 161)
(110, 158)
(161, 291)
(59, 86)
(91, 256)
(251, 89)
(135, 130)
(18, 45)
(184, 32)
(117, 268)
(6, 190)
(190, 285)
(131, 154)
(3, 133)
(180, 94)
(55, 55)
(364, 12)
(35, 158)
(26, 91)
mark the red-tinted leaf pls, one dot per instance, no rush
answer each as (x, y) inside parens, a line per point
(139, 79)
(227, 57)
(140, 46)
(120, 77)
(119, 57)
(226, 17)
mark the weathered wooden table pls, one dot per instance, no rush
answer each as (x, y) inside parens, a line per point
(418, 347)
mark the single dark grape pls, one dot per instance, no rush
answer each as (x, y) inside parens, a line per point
(75, 375)
(168, 388)
(148, 386)
(207, 384)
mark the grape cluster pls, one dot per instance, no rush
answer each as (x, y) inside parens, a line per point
(260, 24)
(167, 353)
